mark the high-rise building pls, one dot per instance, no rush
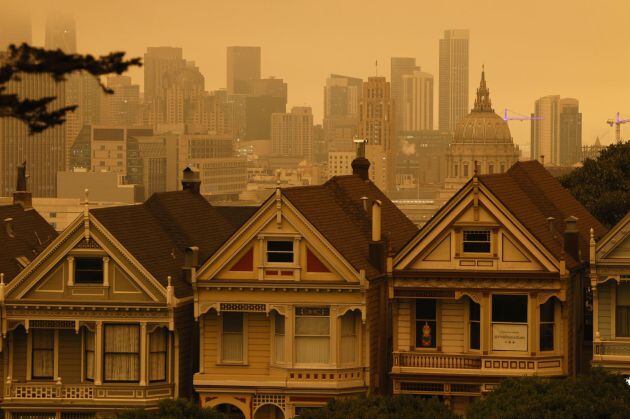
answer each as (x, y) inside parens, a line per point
(342, 95)
(292, 133)
(377, 125)
(243, 65)
(258, 110)
(453, 78)
(556, 133)
(44, 153)
(15, 25)
(158, 61)
(416, 104)
(121, 107)
(61, 32)
(400, 66)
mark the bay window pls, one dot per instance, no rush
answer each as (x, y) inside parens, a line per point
(278, 338)
(509, 322)
(547, 325)
(121, 353)
(43, 353)
(158, 348)
(349, 345)
(622, 310)
(312, 335)
(232, 341)
(88, 344)
(474, 325)
(426, 323)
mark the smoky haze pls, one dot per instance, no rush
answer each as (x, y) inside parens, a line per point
(573, 48)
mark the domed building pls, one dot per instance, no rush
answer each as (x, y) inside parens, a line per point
(483, 138)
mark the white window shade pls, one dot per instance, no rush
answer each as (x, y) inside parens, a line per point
(348, 352)
(312, 339)
(278, 338)
(122, 353)
(232, 338)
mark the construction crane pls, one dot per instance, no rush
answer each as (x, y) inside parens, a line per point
(617, 121)
(520, 117)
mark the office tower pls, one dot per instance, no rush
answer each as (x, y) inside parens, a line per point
(416, 102)
(15, 25)
(44, 153)
(556, 133)
(292, 133)
(453, 78)
(400, 66)
(61, 32)
(342, 95)
(377, 125)
(158, 61)
(243, 65)
(121, 107)
(258, 108)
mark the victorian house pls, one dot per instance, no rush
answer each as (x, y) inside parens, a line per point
(493, 286)
(610, 282)
(289, 308)
(101, 319)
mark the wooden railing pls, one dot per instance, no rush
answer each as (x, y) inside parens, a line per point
(614, 347)
(433, 360)
(338, 377)
(85, 392)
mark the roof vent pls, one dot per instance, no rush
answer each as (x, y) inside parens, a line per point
(8, 225)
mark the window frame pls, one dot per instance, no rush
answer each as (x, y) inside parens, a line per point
(614, 302)
(274, 337)
(296, 336)
(472, 321)
(105, 353)
(221, 360)
(293, 253)
(546, 322)
(476, 230)
(526, 322)
(33, 351)
(437, 321)
(86, 331)
(150, 352)
(76, 269)
(356, 336)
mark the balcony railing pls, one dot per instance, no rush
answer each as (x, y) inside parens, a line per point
(614, 348)
(432, 360)
(84, 392)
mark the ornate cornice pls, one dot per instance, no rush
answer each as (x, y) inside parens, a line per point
(481, 283)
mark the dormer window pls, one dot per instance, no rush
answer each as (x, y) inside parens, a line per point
(280, 251)
(476, 241)
(88, 270)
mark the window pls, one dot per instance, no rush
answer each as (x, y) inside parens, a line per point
(348, 338)
(121, 355)
(312, 335)
(455, 167)
(476, 241)
(509, 322)
(465, 169)
(426, 323)
(278, 337)
(280, 251)
(88, 271)
(547, 318)
(491, 169)
(88, 341)
(158, 344)
(232, 338)
(43, 349)
(474, 322)
(622, 315)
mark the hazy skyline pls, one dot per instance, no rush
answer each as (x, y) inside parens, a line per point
(571, 48)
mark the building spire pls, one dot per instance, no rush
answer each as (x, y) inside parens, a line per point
(482, 102)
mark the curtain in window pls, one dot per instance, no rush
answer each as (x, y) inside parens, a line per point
(43, 347)
(278, 338)
(312, 340)
(349, 338)
(89, 354)
(158, 344)
(232, 339)
(122, 353)
(622, 323)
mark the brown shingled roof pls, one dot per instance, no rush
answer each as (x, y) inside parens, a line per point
(532, 194)
(31, 234)
(335, 209)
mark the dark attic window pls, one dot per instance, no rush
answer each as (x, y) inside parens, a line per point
(280, 251)
(88, 271)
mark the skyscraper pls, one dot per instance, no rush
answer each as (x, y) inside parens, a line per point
(61, 32)
(292, 133)
(416, 103)
(556, 134)
(243, 65)
(342, 95)
(453, 78)
(15, 25)
(158, 61)
(377, 125)
(400, 66)
(121, 107)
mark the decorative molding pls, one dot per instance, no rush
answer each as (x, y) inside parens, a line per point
(467, 283)
(343, 309)
(476, 296)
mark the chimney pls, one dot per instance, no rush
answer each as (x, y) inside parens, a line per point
(21, 195)
(191, 262)
(378, 250)
(191, 180)
(8, 226)
(572, 238)
(361, 165)
(365, 200)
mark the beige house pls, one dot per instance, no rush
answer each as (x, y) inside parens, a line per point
(492, 287)
(610, 283)
(284, 305)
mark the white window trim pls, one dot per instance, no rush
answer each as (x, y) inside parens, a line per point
(357, 347)
(467, 321)
(29, 357)
(274, 361)
(332, 341)
(220, 360)
(613, 317)
(528, 323)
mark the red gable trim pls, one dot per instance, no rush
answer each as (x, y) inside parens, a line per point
(246, 263)
(313, 264)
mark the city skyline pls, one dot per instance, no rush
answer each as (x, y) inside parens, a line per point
(583, 63)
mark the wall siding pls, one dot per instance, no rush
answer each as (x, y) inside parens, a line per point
(452, 326)
(605, 315)
(69, 356)
(404, 325)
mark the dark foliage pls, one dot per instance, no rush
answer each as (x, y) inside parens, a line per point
(174, 409)
(596, 395)
(56, 63)
(378, 407)
(603, 185)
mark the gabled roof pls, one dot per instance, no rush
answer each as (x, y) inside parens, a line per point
(158, 232)
(533, 195)
(31, 233)
(613, 238)
(335, 209)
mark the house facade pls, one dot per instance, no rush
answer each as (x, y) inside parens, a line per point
(492, 287)
(610, 283)
(287, 307)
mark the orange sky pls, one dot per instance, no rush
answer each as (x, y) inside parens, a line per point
(575, 48)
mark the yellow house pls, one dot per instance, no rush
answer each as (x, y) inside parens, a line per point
(284, 306)
(492, 287)
(610, 282)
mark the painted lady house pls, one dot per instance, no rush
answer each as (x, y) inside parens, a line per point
(289, 305)
(102, 319)
(610, 282)
(492, 287)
